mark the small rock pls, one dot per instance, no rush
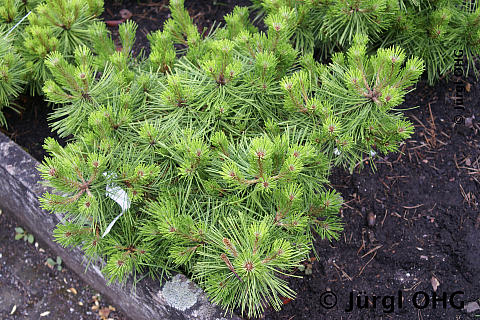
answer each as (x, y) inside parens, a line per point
(469, 122)
(125, 14)
(468, 86)
(371, 217)
(471, 307)
(435, 283)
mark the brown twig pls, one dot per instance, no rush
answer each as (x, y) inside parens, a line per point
(363, 268)
(342, 271)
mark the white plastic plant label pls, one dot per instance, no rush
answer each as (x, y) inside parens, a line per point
(118, 195)
(16, 25)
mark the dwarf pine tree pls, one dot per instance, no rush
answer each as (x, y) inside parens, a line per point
(332, 25)
(12, 65)
(55, 26)
(351, 113)
(430, 30)
(12, 11)
(12, 74)
(211, 156)
(436, 32)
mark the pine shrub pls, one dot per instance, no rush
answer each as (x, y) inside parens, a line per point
(55, 26)
(29, 31)
(212, 155)
(12, 75)
(432, 30)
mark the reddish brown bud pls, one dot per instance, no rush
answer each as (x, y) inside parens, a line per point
(230, 247)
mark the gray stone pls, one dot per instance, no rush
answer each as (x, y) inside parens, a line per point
(471, 307)
(179, 293)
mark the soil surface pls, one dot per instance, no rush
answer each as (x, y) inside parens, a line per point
(30, 289)
(424, 236)
(412, 226)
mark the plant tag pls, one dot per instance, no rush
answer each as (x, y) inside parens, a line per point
(18, 23)
(118, 195)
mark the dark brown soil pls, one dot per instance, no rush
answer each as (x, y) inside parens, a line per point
(29, 128)
(423, 204)
(30, 289)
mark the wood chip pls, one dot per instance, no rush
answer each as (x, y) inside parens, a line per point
(72, 290)
(125, 14)
(371, 217)
(104, 312)
(435, 283)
